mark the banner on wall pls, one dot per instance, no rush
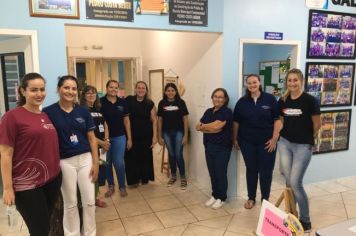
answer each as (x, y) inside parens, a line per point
(109, 10)
(188, 12)
(151, 6)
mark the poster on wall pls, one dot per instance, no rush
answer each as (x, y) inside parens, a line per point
(151, 7)
(272, 74)
(334, 133)
(331, 35)
(188, 12)
(109, 10)
(55, 8)
(331, 83)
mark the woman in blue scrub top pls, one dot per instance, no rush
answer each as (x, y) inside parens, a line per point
(216, 124)
(256, 131)
(79, 156)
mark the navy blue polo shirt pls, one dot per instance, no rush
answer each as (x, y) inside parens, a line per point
(72, 129)
(114, 114)
(256, 119)
(224, 137)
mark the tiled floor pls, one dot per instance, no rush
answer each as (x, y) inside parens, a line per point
(155, 210)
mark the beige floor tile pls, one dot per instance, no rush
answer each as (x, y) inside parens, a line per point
(141, 224)
(133, 195)
(234, 205)
(4, 228)
(174, 217)
(177, 189)
(203, 213)
(349, 197)
(245, 222)
(217, 223)
(323, 220)
(154, 191)
(332, 198)
(351, 211)
(332, 186)
(349, 182)
(172, 231)
(111, 228)
(105, 214)
(227, 233)
(194, 230)
(191, 198)
(135, 208)
(314, 191)
(164, 203)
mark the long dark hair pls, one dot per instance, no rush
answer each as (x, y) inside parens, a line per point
(63, 78)
(24, 85)
(171, 85)
(226, 96)
(248, 93)
(83, 101)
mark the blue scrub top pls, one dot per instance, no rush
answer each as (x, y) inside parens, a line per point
(256, 119)
(72, 129)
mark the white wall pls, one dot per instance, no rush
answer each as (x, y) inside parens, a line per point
(115, 42)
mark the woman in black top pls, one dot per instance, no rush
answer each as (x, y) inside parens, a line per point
(90, 99)
(173, 127)
(143, 119)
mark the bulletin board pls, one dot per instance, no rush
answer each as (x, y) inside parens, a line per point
(272, 75)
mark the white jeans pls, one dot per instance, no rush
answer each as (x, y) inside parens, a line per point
(75, 171)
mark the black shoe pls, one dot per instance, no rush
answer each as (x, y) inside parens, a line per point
(306, 226)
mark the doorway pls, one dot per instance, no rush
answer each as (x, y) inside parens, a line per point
(271, 60)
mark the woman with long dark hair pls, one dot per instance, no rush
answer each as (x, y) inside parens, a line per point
(173, 131)
(30, 157)
(256, 131)
(143, 120)
(79, 156)
(90, 99)
(216, 124)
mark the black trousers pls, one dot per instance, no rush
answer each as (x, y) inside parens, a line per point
(36, 206)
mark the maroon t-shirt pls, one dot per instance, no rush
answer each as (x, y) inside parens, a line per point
(35, 160)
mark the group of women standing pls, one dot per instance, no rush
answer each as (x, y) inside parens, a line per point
(43, 152)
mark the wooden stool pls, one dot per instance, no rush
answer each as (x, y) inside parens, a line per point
(164, 164)
(289, 201)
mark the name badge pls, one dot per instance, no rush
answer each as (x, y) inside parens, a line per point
(101, 128)
(74, 139)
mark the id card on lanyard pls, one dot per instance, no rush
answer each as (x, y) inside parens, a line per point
(74, 139)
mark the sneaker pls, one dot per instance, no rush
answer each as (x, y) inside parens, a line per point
(210, 202)
(123, 192)
(306, 226)
(171, 181)
(110, 191)
(217, 204)
(183, 184)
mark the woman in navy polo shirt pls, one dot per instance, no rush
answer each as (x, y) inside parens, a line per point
(79, 156)
(216, 124)
(256, 130)
(115, 112)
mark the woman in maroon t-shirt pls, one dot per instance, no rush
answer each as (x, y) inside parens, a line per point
(30, 157)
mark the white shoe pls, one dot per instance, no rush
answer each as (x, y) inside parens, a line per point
(210, 202)
(217, 204)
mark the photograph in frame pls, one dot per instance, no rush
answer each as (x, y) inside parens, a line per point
(331, 35)
(334, 133)
(55, 8)
(330, 83)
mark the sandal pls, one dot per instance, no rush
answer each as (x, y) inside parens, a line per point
(249, 204)
(110, 191)
(183, 184)
(100, 203)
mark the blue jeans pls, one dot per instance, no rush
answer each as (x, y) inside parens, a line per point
(115, 155)
(217, 159)
(295, 159)
(173, 140)
(259, 164)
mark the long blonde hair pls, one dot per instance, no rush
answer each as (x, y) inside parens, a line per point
(300, 75)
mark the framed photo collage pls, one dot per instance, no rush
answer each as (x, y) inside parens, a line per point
(331, 35)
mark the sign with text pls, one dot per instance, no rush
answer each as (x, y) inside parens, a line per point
(109, 10)
(320, 4)
(188, 12)
(275, 222)
(273, 36)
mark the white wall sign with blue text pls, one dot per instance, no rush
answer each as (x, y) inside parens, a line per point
(273, 35)
(317, 4)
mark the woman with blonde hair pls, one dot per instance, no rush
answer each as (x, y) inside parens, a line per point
(300, 115)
